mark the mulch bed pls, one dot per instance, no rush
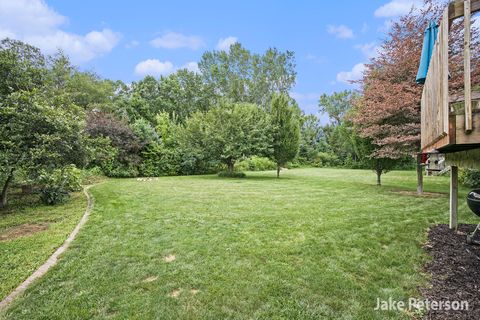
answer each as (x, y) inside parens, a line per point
(455, 272)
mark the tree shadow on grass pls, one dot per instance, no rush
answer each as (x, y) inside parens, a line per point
(249, 177)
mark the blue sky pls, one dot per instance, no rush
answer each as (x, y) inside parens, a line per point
(126, 40)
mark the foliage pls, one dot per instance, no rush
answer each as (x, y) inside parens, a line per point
(337, 105)
(312, 138)
(286, 130)
(159, 160)
(22, 67)
(183, 93)
(35, 134)
(145, 132)
(55, 185)
(255, 163)
(126, 144)
(470, 178)
(325, 159)
(230, 132)
(232, 174)
(240, 76)
(389, 111)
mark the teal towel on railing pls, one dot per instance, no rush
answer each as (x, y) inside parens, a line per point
(429, 37)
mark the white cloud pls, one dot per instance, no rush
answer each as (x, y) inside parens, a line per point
(396, 8)
(304, 96)
(341, 31)
(355, 74)
(224, 44)
(173, 40)
(369, 50)
(154, 67)
(132, 44)
(315, 58)
(34, 22)
(364, 28)
(191, 66)
(308, 101)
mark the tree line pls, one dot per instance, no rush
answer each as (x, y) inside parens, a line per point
(234, 114)
(55, 119)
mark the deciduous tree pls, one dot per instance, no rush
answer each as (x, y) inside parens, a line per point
(286, 130)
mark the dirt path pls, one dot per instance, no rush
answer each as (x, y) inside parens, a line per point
(53, 258)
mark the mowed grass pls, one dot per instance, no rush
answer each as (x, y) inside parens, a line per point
(22, 252)
(316, 243)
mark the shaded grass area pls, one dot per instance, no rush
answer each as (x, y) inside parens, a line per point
(30, 233)
(316, 243)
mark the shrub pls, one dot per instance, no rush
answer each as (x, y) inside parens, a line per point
(256, 163)
(159, 160)
(234, 174)
(56, 185)
(470, 178)
(325, 159)
(92, 175)
(122, 171)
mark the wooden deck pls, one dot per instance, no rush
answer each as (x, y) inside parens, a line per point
(450, 124)
(458, 137)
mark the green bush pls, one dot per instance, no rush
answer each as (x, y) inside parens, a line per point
(92, 175)
(470, 178)
(256, 163)
(235, 174)
(325, 159)
(158, 160)
(122, 171)
(55, 185)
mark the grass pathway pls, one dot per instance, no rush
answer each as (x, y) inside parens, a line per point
(53, 259)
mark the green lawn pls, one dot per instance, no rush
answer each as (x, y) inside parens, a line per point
(317, 243)
(21, 256)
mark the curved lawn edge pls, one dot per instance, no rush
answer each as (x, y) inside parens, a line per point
(53, 259)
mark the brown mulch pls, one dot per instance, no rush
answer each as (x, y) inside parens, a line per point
(22, 230)
(454, 270)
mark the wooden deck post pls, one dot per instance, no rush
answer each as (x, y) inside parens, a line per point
(466, 67)
(453, 197)
(419, 174)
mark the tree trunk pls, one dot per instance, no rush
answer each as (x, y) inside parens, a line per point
(230, 166)
(379, 174)
(3, 196)
(278, 171)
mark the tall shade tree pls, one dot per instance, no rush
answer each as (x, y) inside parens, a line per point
(229, 132)
(312, 137)
(286, 130)
(22, 67)
(389, 112)
(36, 134)
(336, 105)
(240, 76)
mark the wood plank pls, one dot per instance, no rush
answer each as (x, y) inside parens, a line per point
(462, 137)
(466, 67)
(475, 95)
(419, 174)
(456, 9)
(453, 197)
(436, 145)
(435, 96)
(444, 105)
